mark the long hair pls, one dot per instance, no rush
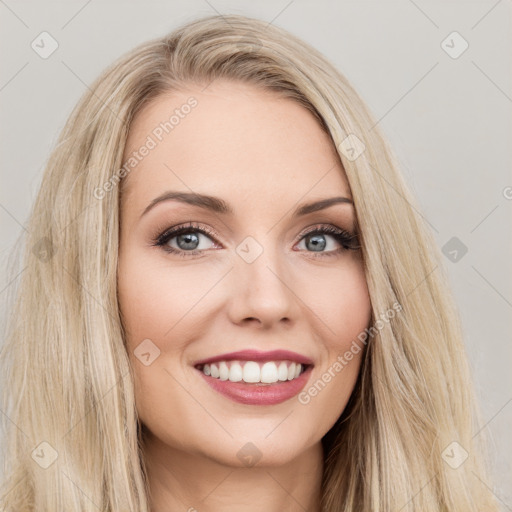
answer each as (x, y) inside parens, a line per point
(73, 437)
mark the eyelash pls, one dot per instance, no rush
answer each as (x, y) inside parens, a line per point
(347, 240)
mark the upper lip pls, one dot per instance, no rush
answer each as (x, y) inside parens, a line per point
(256, 355)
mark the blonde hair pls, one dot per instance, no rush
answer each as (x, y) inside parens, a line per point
(67, 380)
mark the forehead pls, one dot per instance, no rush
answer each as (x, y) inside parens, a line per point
(232, 140)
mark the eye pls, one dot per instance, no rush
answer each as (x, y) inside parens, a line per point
(185, 240)
(328, 241)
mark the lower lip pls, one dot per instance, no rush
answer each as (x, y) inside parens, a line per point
(259, 394)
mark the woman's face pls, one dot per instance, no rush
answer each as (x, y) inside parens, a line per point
(252, 270)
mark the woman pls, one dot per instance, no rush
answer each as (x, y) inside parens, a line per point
(230, 302)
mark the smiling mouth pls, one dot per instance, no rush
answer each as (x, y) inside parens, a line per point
(254, 372)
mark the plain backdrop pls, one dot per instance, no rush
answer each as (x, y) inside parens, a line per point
(446, 112)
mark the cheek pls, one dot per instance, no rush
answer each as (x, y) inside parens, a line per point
(339, 297)
(154, 296)
(154, 299)
(342, 304)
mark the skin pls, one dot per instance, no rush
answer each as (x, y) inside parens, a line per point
(263, 154)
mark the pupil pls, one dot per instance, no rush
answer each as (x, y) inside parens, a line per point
(189, 238)
(318, 242)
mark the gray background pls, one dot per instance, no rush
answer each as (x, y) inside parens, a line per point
(448, 119)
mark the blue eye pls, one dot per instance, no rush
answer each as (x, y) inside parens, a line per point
(321, 241)
(318, 239)
(188, 238)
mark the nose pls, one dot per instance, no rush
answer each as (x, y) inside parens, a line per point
(262, 291)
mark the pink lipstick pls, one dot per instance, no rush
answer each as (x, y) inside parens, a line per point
(256, 378)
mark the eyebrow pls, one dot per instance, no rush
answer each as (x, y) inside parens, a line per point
(218, 205)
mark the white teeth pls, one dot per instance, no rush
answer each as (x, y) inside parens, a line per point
(282, 372)
(235, 373)
(223, 371)
(253, 372)
(269, 373)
